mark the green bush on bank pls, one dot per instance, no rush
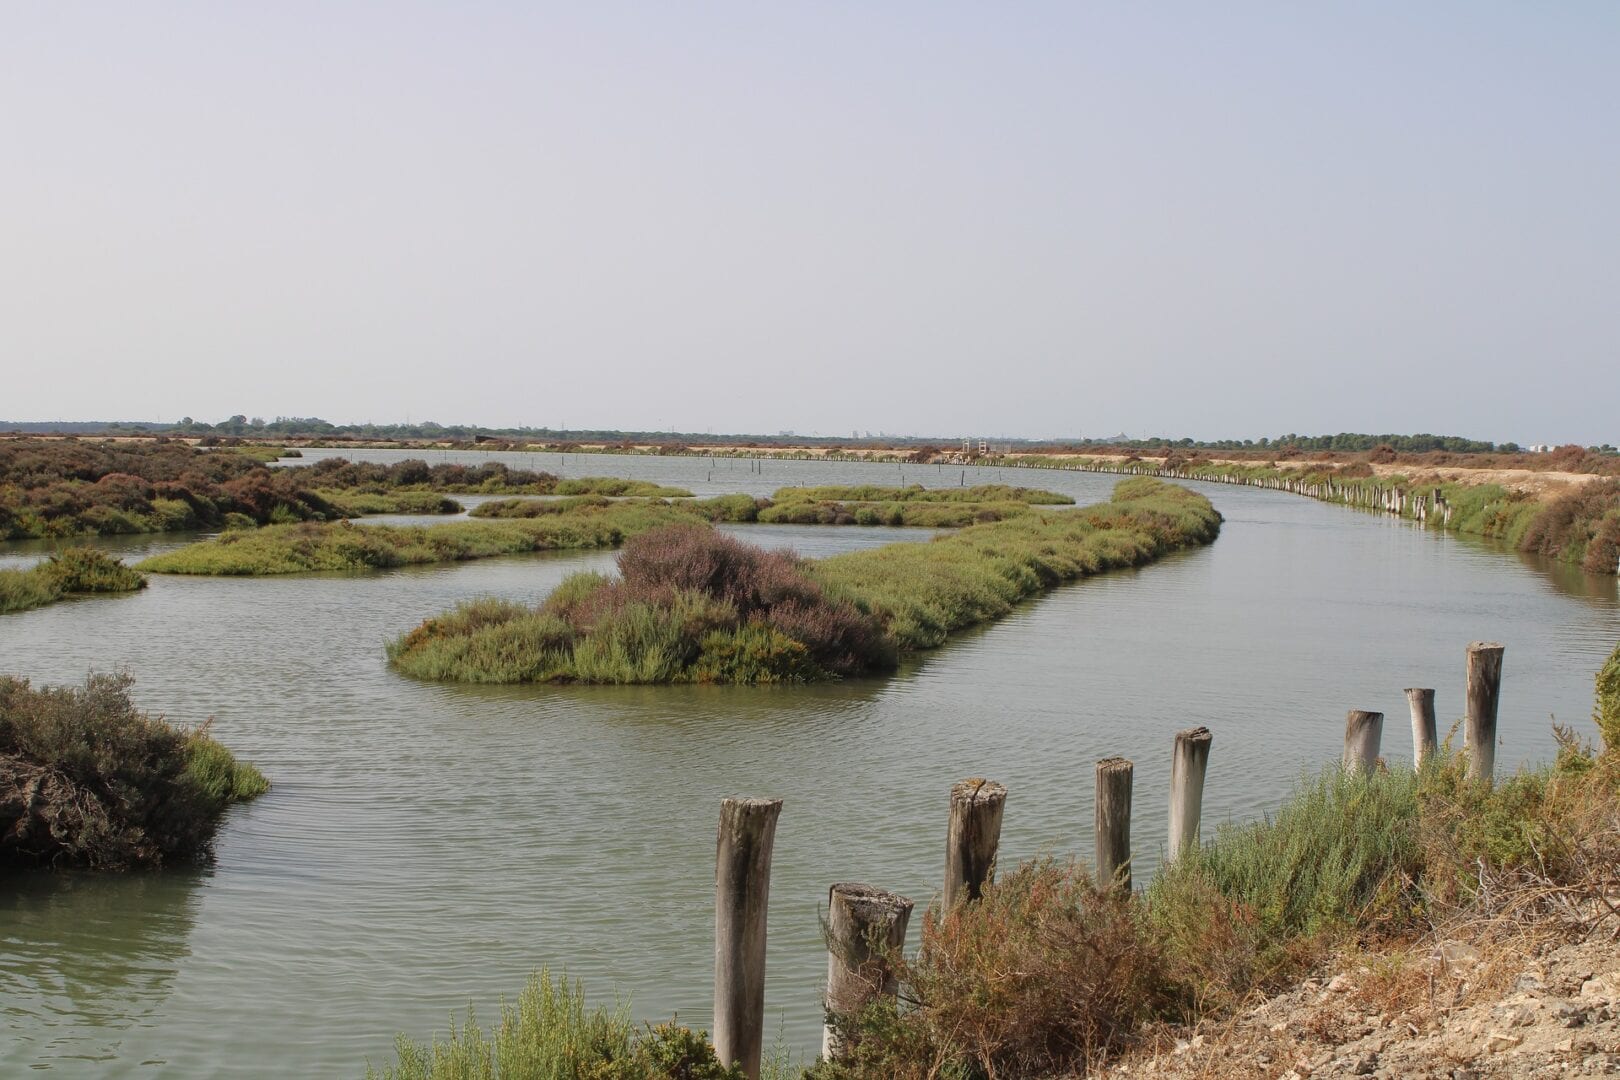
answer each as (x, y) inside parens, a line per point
(1607, 713)
(86, 779)
(550, 1034)
(70, 572)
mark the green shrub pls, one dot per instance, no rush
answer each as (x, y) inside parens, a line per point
(1607, 712)
(1339, 852)
(87, 779)
(549, 1034)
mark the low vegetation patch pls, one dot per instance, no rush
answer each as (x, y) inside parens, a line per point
(694, 606)
(486, 478)
(72, 487)
(74, 571)
(353, 504)
(550, 1034)
(980, 493)
(922, 593)
(293, 549)
(87, 779)
(949, 508)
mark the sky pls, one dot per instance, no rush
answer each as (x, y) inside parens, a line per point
(1025, 219)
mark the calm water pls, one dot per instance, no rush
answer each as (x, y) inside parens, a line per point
(425, 846)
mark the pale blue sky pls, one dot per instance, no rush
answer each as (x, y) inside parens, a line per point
(1033, 219)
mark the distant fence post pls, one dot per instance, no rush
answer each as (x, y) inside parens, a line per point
(1424, 740)
(1484, 694)
(864, 926)
(970, 842)
(1362, 733)
(742, 889)
(1187, 768)
(1114, 822)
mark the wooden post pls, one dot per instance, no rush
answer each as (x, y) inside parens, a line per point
(970, 842)
(1362, 732)
(1114, 822)
(742, 889)
(1424, 740)
(1187, 768)
(864, 927)
(1484, 693)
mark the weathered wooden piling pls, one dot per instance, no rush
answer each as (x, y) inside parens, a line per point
(1362, 733)
(1114, 822)
(1484, 694)
(970, 842)
(865, 927)
(1187, 769)
(742, 890)
(1424, 740)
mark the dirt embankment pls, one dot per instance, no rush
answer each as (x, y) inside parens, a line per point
(1514, 1004)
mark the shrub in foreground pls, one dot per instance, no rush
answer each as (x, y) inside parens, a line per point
(87, 779)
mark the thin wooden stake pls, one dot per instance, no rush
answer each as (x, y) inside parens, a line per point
(1187, 768)
(1424, 740)
(1484, 694)
(742, 891)
(1114, 822)
(1362, 733)
(970, 842)
(865, 927)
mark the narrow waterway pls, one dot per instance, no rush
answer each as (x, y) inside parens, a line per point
(428, 846)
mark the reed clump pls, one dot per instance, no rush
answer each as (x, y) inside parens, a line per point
(72, 571)
(87, 779)
(693, 606)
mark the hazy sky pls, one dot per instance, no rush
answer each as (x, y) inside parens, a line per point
(1034, 219)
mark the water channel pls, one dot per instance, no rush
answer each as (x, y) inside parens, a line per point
(427, 846)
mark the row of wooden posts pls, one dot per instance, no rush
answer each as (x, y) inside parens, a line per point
(865, 924)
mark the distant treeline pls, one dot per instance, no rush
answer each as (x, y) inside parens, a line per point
(313, 427)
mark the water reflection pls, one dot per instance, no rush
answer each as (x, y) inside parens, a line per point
(88, 957)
